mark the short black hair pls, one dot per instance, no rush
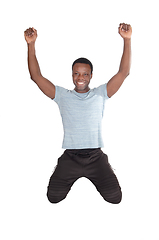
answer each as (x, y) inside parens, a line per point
(83, 60)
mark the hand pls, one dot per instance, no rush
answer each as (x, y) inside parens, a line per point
(30, 35)
(125, 30)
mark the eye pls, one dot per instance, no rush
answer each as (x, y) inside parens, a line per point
(75, 74)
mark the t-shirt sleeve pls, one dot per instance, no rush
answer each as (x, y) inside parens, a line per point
(102, 90)
(59, 92)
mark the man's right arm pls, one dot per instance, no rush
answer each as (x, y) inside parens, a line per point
(45, 85)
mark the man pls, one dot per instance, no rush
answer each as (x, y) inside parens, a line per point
(82, 111)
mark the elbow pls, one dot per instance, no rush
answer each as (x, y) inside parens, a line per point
(128, 73)
(125, 74)
(32, 78)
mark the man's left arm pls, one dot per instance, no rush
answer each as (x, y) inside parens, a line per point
(116, 81)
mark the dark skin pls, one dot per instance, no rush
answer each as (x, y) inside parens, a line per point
(81, 75)
(81, 72)
(116, 81)
(44, 84)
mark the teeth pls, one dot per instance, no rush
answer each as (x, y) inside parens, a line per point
(80, 83)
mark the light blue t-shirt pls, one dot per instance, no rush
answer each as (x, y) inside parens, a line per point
(82, 116)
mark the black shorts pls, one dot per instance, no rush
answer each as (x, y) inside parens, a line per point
(90, 163)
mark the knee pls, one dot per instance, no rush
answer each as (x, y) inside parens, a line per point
(55, 198)
(114, 198)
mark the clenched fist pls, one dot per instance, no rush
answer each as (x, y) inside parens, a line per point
(125, 30)
(30, 35)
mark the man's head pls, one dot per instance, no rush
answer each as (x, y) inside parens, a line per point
(82, 70)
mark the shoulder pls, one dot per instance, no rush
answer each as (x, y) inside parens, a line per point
(101, 90)
(60, 92)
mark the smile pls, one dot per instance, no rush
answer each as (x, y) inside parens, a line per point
(80, 83)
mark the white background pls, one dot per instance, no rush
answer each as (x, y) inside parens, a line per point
(31, 130)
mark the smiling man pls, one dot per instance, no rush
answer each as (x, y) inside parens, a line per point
(82, 73)
(82, 110)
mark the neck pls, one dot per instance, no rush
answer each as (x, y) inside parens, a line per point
(82, 90)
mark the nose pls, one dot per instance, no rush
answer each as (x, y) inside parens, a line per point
(80, 77)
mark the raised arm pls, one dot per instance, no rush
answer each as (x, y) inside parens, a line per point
(116, 81)
(45, 85)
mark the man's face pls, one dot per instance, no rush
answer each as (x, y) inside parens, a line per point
(81, 77)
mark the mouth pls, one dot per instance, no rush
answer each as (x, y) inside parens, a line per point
(81, 86)
(80, 83)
